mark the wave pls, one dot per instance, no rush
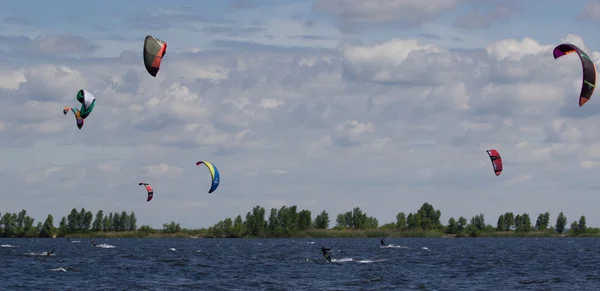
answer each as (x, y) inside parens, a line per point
(366, 261)
(392, 246)
(45, 254)
(105, 246)
(342, 260)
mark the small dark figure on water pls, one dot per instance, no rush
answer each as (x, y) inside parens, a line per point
(93, 243)
(50, 253)
(326, 253)
(383, 243)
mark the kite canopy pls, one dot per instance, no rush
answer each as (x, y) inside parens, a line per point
(149, 189)
(154, 51)
(78, 119)
(214, 173)
(496, 161)
(589, 69)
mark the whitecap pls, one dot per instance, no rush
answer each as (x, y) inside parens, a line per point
(105, 246)
(342, 260)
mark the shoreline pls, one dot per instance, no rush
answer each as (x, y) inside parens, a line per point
(322, 234)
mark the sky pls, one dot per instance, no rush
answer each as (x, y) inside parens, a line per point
(325, 104)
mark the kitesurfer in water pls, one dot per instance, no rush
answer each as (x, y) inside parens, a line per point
(93, 243)
(383, 243)
(69, 239)
(326, 253)
(50, 253)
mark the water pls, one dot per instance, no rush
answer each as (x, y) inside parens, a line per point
(297, 264)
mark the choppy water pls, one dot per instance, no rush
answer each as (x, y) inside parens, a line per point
(297, 264)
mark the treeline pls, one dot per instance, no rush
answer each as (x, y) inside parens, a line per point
(76, 223)
(288, 221)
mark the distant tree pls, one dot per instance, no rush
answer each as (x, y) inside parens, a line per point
(574, 227)
(478, 221)
(322, 220)
(462, 223)
(146, 229)
(517, 222)
(116, 222)
(452, 227)
(340, 220)
(509, 220)
(62, 227)
(73, 221)
(48, 227)
(356, 219)
(38, 229)
(546, 220)
(273, 223)
(97, 225)
(107, 222)
(124, 221)
(227, 226)
(539, 221)
(524, 223)
(304, 220)
(86, 221)
(401, 221)
(28, 229)
(413, 221)
(255, 220)
(582, 225)
(239, 229)
(561, 223)
(10, 224)
(429, 217)
(542, 221)
(500, 224)
(132, 222)
(171, 227)
(19, 223)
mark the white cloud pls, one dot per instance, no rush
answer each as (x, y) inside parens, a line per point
(163, 169)
(386, 10)
(591, 11)
(386, 125)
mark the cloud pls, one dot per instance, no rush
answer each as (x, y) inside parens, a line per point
(231, 31)
(488, 14)
(591, 11)
(173, 17)
(242, 5)
(410, 12)
(53, 44)
(386, 125)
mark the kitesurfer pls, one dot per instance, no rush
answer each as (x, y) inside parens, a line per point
(383, 243)
(69, 239)
(93, 243)
(326, 253)
(50, 253)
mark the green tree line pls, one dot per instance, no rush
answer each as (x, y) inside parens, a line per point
(77, 222)
(288, 221)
